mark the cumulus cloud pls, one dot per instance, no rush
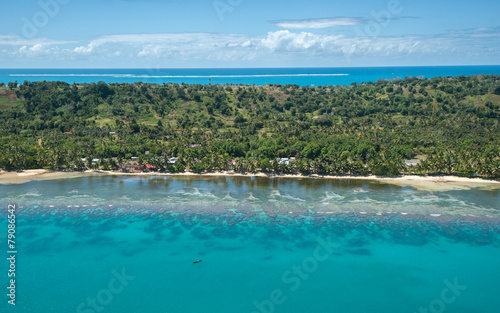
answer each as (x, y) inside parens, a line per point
(276, 45)
(220, 46)
(88, 49)
(37, 50)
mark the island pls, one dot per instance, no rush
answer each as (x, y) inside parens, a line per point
(410, 126)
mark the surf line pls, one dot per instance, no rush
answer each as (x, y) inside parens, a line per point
(176, 76)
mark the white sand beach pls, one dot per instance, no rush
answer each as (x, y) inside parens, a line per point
(428, 183)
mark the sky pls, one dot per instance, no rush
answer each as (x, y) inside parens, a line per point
(247, 33)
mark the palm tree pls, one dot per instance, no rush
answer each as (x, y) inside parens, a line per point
(275, 165)
(251, 165)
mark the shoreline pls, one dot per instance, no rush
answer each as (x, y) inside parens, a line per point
(426, 183)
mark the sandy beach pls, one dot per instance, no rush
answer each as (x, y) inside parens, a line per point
(428, 183)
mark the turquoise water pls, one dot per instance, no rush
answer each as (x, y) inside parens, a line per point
(250, 76)
(279, 245)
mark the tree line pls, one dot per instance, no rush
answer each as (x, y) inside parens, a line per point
(450, 124)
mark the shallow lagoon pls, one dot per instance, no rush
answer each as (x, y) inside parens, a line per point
(266, 245)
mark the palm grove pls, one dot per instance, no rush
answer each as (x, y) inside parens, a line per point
(450, 124)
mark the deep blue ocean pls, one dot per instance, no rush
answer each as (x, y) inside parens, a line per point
(258, 76)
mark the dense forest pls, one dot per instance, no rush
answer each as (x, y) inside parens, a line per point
(448, 125)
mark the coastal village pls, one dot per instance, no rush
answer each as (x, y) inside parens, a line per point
(171, 164)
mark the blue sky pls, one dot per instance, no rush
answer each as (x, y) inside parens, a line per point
(244, 33)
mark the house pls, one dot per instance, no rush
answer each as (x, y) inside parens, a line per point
(112, 133)
(285, 161)
(194, 146)
(68, 133)
(412, 162)
(132, 167)
(172, 160)
(134, 158)
(150, 167)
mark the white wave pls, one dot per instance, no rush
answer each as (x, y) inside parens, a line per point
(196, 193)
(421, 200)
(331, 196)
(252, 198)
(229, 198)
(290, 197)
(275, 193)
(32, 193)
(365, 200)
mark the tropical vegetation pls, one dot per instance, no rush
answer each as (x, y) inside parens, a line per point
(450, 125)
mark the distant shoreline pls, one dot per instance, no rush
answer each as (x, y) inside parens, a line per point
(428, 183)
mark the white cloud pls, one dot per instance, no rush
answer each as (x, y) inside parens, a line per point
(320, 23)
(229, 49)
(88, 49)
(37, 50)
(13, 40)
(285, 40)
(169, 38)
(30, 48)
(220, 46)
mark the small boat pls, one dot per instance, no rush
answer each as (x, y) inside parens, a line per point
(197, 261)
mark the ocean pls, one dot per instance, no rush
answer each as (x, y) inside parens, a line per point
(258, 76)
(120, 244)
